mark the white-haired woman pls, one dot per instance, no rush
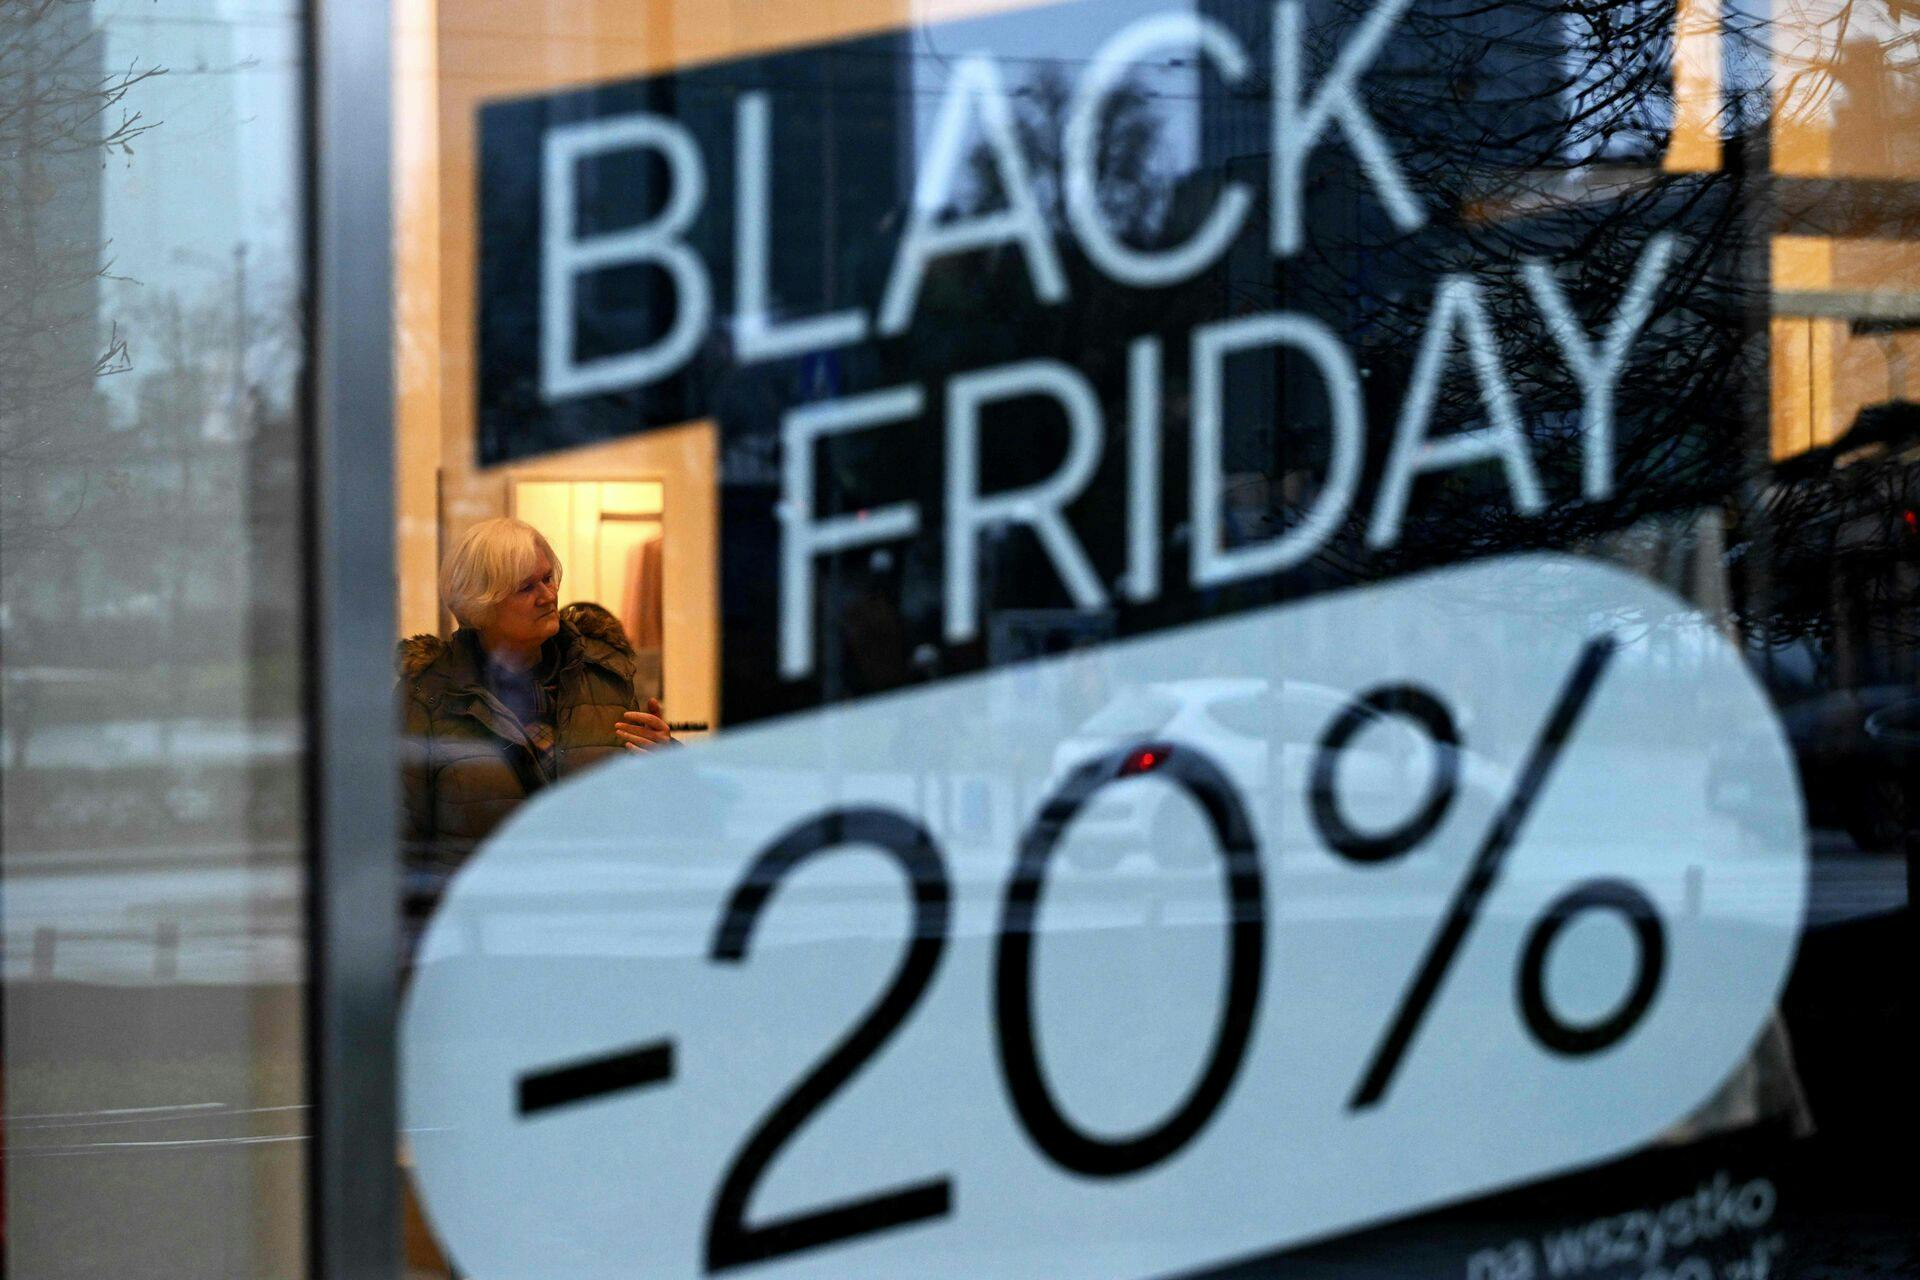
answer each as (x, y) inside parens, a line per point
(516, 700)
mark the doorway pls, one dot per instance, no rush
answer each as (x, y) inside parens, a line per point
(610, 536)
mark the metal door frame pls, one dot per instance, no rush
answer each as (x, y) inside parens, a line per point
(352, 793)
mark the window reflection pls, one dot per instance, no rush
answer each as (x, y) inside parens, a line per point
(150, 593)
(1744, 170)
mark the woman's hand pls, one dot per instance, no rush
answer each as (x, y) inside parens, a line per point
(643, 730)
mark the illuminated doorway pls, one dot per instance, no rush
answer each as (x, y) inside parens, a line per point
(610, 537)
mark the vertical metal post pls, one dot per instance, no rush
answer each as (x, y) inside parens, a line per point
(353, 793)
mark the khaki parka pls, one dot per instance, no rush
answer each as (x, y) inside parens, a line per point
(465, 762)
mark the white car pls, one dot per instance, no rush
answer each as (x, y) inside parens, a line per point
(1265, 736)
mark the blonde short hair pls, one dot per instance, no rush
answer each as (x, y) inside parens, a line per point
(488, 564)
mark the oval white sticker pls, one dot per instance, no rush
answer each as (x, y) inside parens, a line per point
(1126, 961)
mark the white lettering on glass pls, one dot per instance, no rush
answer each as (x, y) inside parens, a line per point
(565, 255)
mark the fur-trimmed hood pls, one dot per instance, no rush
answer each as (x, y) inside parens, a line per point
(416, 653)
(590, 629)
(467, 761)
(596, 622)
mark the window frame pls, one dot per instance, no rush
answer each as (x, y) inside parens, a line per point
(351, 791)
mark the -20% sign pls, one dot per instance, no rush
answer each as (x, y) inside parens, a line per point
(699, 1202)
(732, 1241)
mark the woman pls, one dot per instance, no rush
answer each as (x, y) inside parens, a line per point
(518, 698)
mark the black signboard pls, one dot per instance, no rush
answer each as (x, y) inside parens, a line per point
(1243, 303)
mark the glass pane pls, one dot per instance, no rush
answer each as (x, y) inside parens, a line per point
(1307, 617)
(151, 346)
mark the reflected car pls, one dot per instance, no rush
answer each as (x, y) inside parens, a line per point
(1855, 773)
(1265, 735)
(1894, 732)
